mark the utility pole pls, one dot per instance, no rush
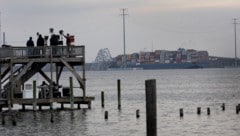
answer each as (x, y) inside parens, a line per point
(235, 39)
(124, 61)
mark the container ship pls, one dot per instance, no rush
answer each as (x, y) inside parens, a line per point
(164, 59)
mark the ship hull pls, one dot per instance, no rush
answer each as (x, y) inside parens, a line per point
(169, 66)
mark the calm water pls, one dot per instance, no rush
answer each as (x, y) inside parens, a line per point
(187, 89)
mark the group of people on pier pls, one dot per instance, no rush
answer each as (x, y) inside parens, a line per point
(42, 42)
(45, 90)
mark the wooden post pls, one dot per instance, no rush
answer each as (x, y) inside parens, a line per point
(151, 107)
(40, 107)
(89, 105)
(51, 76)
(106, 115)
(62, 106)
(14, 123)
(51, 120)
(23, 107)
(198, 110)
(79, 106)
(137, 113)
(208, 111)
(71, 92)
(223, 107)
(34, 96)
(237, 109)
(102, 99)
(181, 112)
(119, 93)
(3, 119)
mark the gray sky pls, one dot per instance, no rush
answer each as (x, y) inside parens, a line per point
(150, 24)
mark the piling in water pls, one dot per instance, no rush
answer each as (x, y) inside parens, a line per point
(208, 111)
(223, 107)
(151, 107)
(181, 112)
(137, 113)
(14, 123)
(51, 119)
(237, 109)
(119, 93)
(106, 115)
(3, 119)
(102, 99)
(199, 110)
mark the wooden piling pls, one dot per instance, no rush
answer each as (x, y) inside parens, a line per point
(137, 113)
(79, 106)
(40, 107)
(3, 119)
(151, 107)
(51, 120)
(198, 110)
(181, 112)
(89, 105)
(23, 107)
(106, 115)
(102, 99)
(119, 93)
(237, 109)
(208, 111)
(34, 96)
(223, 107)
(14, 123)
(62, 106)
(71, 92)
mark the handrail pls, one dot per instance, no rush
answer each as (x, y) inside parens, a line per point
(41, 52)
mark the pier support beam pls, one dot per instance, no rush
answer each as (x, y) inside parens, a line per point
(23, 107)
(71, 93)
(34, 96)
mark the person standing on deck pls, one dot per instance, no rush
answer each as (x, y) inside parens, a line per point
(40, 43)
(68, 43)
(30, 45)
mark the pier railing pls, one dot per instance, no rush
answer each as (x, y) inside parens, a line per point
(41, 52)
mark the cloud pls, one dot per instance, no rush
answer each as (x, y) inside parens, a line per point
(156, 6)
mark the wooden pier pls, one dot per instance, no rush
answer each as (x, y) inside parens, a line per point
(19, 64)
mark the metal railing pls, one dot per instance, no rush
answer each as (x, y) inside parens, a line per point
(41, 52)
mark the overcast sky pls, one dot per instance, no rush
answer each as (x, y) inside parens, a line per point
(150, 24)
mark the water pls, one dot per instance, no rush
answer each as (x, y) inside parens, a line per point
(187, 89)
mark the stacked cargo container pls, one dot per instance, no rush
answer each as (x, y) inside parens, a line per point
(165, 57)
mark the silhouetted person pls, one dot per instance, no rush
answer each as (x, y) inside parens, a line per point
(40, 43)
(30, 45)
(68, 39)
(68, 43)
(30, 42)
(44, 90)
